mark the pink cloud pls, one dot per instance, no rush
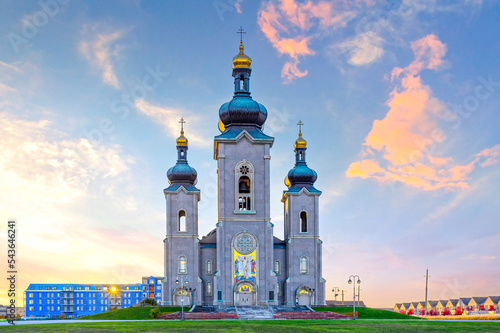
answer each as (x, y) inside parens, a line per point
(289, 24)
(400, 145)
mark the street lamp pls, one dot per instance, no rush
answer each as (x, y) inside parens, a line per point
(182, 295)
(354, 279)
(335, 291)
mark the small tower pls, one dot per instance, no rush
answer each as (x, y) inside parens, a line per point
(181, 242)
(304, 284)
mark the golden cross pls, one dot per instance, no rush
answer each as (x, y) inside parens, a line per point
(300, 123)
(182, 122)
(241, 32)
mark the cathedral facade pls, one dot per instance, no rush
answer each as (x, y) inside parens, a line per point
(241, 262)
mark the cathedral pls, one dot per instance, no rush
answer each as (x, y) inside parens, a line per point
(241, 262)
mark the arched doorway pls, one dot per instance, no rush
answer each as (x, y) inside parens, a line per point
(304, 296)
(182, 296)
(245, 294)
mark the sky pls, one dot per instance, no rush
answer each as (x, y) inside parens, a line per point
(399, 101)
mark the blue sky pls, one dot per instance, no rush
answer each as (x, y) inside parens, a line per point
(400, 103)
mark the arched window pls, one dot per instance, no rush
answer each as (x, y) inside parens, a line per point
(244, 186)
(303, 221)
(209, 288)
(182, 221)
(304, 265)
(182, 267)
(301, 154)
(242, 82)
(277, 267)
(209, 266)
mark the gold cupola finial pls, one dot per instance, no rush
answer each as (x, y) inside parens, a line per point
(241, 60)
(182, 140)
(300, 142)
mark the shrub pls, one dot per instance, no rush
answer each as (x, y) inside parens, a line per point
(154, 313)
(150, 301)
(411, 312)
(62, 316)
(446, 312)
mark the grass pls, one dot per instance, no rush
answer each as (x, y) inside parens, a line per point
(276, 326)
(366, 313)
(132, 313)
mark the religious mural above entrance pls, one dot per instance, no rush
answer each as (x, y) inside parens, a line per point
(245, 266)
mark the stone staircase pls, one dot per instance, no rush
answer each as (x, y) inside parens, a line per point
(254, 313)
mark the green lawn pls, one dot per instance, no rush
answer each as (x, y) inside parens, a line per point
(276, 326)
(132, 313)
(366, 313)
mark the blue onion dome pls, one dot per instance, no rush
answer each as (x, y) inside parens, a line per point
(242, 110)
(182, 174)
(301, 175)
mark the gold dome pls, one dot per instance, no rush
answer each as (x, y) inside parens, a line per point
(182, 140)
(300, 142)
(241, 60)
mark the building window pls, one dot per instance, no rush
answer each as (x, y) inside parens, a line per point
(304, 265)
(182, 221)
(182, 265)
(303, 221)
(219, 295)
(278, 289)
(277, 267)
(271, 295)
(209, 288)
(244, 186)
(209, 266)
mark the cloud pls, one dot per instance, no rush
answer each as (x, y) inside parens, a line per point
(400, 147)
(290, 26)
(168, 118)
(363, 49)
(36, 158)
(101, 50)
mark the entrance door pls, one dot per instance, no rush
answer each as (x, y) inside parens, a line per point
(304, 299)
(245, 294)
(182, 300)
(244, 299)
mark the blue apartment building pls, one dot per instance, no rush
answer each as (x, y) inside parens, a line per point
(50, 300)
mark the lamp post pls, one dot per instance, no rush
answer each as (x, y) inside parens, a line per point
(354, 279)
(182, 295)
(335, 290)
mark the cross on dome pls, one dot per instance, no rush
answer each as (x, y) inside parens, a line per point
(241, 31)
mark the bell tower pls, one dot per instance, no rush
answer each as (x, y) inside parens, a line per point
(181, 241)
(244, 229)
(304, 284)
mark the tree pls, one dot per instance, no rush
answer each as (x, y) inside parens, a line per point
(411, 312)
(62, 316)
(446, 312)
